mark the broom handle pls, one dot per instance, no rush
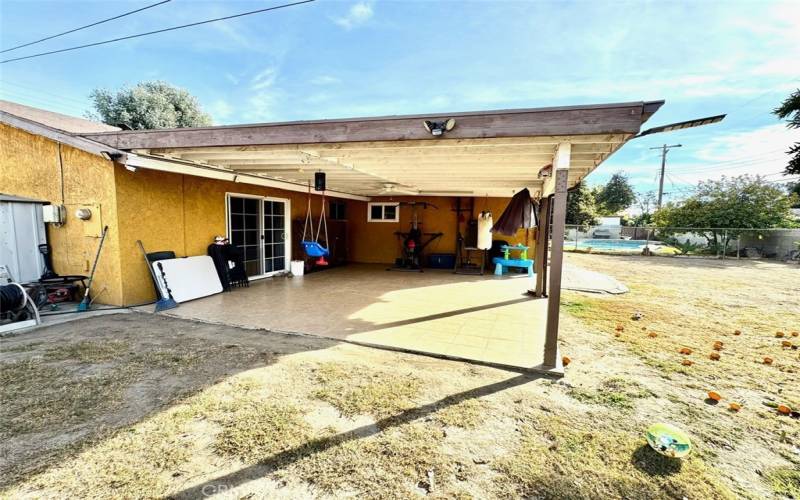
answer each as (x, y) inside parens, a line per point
(96, 258)
(150, 268)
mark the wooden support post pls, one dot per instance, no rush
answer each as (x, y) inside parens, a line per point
(561, 174)
(540, 258)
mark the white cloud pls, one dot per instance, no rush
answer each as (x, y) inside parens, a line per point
(263, 103)
(265, 79)
(325, 80)
(232, 78)
(220, 110)
(760, 144)
(358, 14)
(761, 151)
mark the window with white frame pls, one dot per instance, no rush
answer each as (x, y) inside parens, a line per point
(383, 212)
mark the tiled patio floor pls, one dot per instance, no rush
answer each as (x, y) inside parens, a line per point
(483, 318)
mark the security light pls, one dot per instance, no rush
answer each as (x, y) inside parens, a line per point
(439, 128)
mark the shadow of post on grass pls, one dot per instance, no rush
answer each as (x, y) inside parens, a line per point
(285, 458)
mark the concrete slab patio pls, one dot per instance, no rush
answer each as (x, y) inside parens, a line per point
(481, 318)
(487, 319)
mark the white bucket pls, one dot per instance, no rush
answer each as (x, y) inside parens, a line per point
(297, 267)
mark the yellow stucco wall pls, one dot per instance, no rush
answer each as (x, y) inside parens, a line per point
(375, 242)
(180, 213)
(30, 167)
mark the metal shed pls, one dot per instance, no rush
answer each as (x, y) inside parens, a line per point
(21, 232)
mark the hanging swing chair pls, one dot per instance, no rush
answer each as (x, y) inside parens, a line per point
(314, 248)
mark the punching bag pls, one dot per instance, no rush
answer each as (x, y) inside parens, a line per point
(485, 223)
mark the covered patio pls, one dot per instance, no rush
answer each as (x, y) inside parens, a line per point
(485, 319)
(478, 318)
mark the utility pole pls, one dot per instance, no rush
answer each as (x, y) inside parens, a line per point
(664, 150)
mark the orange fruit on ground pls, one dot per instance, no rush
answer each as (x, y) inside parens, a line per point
(686, 362)
(714, 356)
(737, 332)
(616, 334)
(685, 350)
(717, 345)
(565, 361)
(714, 395)
(786, 343)
(779, 334)
(795, 334)
(652, 335)
(767, 360)
(784, 409)
(620, 328)
(734, 406)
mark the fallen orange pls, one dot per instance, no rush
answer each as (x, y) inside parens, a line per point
(620, 328)
(686, 362)
(652, 335)
(714, 395)
(784, 409)
(565, 361)
(734, 406)
(779, 334)
(767, 360)
(685, 350)
(786, 343)
(795, 334)
(714, 356)
(737, 332)
(717, 345)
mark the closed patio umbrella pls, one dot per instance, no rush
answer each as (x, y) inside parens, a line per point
(520, 213)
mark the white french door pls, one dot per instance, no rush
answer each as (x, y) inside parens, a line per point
(260, 226)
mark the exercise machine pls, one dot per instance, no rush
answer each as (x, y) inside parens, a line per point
(413, 242)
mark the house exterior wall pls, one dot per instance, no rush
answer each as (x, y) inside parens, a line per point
(375, 242)
(30, 167)
(181, 213)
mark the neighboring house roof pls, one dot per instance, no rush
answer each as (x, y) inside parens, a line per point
(54, 125)
(65, 123)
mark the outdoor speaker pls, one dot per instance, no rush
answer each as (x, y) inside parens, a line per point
(319, 181)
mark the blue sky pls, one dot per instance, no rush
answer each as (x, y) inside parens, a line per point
(332, 59)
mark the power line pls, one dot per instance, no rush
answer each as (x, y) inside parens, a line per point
(36, 92)
(173, 28)
(84, 27)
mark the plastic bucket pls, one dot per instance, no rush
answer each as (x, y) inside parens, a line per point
(297, 267)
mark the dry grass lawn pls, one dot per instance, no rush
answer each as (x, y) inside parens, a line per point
(143, 406)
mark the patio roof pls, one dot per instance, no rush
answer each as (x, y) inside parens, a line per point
(490, 153)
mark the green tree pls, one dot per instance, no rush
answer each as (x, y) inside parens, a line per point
(646, 203)
(794, 188)
(149, 105)
(729, 203)
(581, 209)
(790, 110)
(616, 195)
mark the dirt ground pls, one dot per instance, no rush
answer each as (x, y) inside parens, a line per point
(143, 406)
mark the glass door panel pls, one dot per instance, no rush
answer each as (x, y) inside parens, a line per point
(243, 214)
(274, 236)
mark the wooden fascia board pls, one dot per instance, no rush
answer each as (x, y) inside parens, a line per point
(607, 119)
